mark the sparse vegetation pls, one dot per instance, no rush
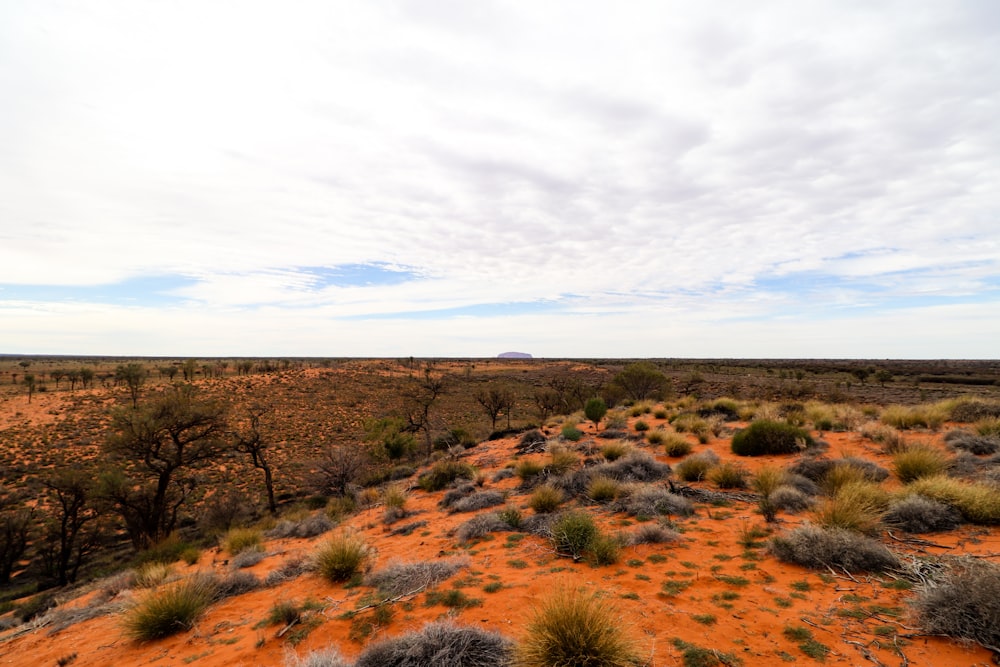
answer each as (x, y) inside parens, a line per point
(170, 610)
(964, 602)
(818, 548)
(574, 628)
(341, 557)
(770, 437)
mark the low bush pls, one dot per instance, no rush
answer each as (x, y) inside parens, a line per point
(545, 499)
(573, 533)
(769, 478)
(242, 539)
(789, 499)
(917, 514)
(444, 473)
(398, 578)
(170, 610)
(919, 460)
(246, 558)
(651, 533)
(290, 569)
(511, 516)
(635, 466)
(151, 575)
(440, 643)
(968, 410)
(917, 416)
(615, 450)
(571, 432)
(980, 445)
(478, 501)
(656, 436)
(311, 526)
(604, 550)
(963, 603)
(858, 506)
(572, 628)
(603, 489)
(766, 437)
(341, 557)
(696, 467)
(978, 502)
(989, 428)
(561, 461)
(327, 657)
(640, 426)
(819, 548)
(882, 434)
(729, 476)
(651, 501)
(481, 525)
(529, 469)
(676, 445)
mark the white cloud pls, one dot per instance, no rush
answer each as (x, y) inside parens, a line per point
(508, 152)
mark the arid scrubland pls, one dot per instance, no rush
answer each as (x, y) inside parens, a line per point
(490, 512)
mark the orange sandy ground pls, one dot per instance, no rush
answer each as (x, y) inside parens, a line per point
(231, 632)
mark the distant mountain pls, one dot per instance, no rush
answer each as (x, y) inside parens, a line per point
(514, 355)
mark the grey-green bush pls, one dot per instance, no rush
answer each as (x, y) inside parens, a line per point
(818, 548)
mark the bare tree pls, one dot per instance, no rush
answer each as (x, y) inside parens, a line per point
(251, 442)
(494, 401)
(419, 398)
(29, 382)
(71, 491)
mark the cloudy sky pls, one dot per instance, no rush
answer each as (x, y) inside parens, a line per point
(456, 178)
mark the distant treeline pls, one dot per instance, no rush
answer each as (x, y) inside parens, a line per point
(960, 379)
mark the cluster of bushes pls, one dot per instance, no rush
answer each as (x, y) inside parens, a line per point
(768, 437)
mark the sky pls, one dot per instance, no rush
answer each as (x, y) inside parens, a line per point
(453, 178)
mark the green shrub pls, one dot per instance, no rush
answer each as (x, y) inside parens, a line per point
(603, 489)
(511, 516)
(858, 506)
(444, 473)
(768, 479)
(571, 628)
(561, 461)
(595, 409)
(243, 539)
(977, 502)
(919, 460)
(604, 550)
(695, 467)
(676, 445)
(766, 437)
(527, 469)
(615, 450)
(729, 476)
(170, 610)
(341, 557)
(152, 574)
(918, 416)
(545, 499)
(656, 437)
(640, 426)
(394, 497)
(573, 533)
(571, 432)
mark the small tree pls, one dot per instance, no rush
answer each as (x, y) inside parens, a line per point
(86, 377)
(861, 374)
(595, 409)
(73, 377)
(494, 401)
(882, 376)
(29, 382)
(420, 396)
(190, 369)
(546, 403)
(56, 376)
(154, 445)
(133, 376)
(15, 529)
(641, 380)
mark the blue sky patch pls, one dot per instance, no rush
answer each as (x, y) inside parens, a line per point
(142, 290)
